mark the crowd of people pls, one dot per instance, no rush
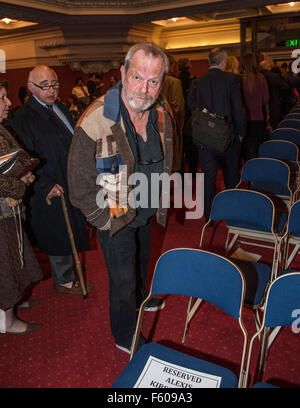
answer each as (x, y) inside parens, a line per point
(140, 125)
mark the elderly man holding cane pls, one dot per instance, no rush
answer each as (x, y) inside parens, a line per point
(44, 127)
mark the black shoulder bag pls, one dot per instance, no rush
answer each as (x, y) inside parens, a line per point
(211, 130)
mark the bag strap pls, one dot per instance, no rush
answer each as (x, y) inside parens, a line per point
(211, 97)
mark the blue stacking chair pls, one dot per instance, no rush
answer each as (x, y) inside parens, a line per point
(286, 151)
(295, 109)
(290, 123)
(281, 300)
(293, 135)
(248, 214)
(200, 274)
(271, 177)
(292, 238)
(293, 115)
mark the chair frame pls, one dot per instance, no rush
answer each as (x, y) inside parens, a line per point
(264, 331)
(241, 378)
(289, 123)
(287, 199)
(290, 239)
(290, 160)
(268, 236)
(235, 233)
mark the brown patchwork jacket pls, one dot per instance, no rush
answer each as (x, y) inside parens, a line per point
(99, 137)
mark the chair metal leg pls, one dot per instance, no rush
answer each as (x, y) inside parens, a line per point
(264, 349)
(191, 310)
(229, 245)
(272, 335)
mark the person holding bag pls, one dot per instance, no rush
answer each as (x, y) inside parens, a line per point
(219, 92)
(19, 267)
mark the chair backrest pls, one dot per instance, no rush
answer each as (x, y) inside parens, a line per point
(200, 274)
(293, 135)
(279, 149)
(267, 170)
(290, 123)
(283, 300)
(294, 220)
(244, 207)
(293, 115)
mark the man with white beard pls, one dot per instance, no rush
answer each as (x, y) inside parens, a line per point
(128, 127)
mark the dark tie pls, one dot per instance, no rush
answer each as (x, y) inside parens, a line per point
(50, 107)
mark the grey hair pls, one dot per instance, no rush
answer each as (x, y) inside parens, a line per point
(216, 56)
(148, 48)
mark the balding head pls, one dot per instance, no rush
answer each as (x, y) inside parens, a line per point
(40, 76)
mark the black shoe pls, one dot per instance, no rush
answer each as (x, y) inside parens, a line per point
(154, 304)
(127, 348)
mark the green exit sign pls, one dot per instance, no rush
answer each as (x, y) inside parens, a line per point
(292, 43)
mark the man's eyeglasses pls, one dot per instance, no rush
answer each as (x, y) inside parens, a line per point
(55, 85)
(160, 156)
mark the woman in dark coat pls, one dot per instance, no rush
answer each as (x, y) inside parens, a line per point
(19, 267)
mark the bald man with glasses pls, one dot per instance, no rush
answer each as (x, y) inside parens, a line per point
(44, 127)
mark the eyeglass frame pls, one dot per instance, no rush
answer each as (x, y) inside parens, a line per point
(47, 87)
(138, 152)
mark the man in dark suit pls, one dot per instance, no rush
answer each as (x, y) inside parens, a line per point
(43, 125)
(219, 92)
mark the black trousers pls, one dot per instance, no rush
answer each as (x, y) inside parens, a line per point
(209, 163)
(254, 138)
(127, 255)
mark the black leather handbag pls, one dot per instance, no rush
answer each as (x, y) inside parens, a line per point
(211, 130)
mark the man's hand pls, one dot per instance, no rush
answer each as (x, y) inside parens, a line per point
(56, 190)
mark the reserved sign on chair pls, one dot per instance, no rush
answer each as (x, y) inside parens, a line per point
(162, 374)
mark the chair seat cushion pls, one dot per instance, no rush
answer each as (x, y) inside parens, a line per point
(264, 385)
(131, 373)
(257, 275)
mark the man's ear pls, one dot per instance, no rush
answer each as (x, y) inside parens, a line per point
(29, 86)
(122, 70)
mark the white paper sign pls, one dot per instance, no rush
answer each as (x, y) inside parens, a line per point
(245, 255)
(162, 374)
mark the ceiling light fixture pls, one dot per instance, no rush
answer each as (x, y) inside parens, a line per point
(292, 3)
(6, 20)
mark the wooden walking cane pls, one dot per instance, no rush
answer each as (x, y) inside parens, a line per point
(74, 249)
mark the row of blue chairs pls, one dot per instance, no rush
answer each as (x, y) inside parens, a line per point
(221, 282)
(266, 213)
(205, 275)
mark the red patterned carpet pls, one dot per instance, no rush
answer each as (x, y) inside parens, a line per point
(74, 348)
